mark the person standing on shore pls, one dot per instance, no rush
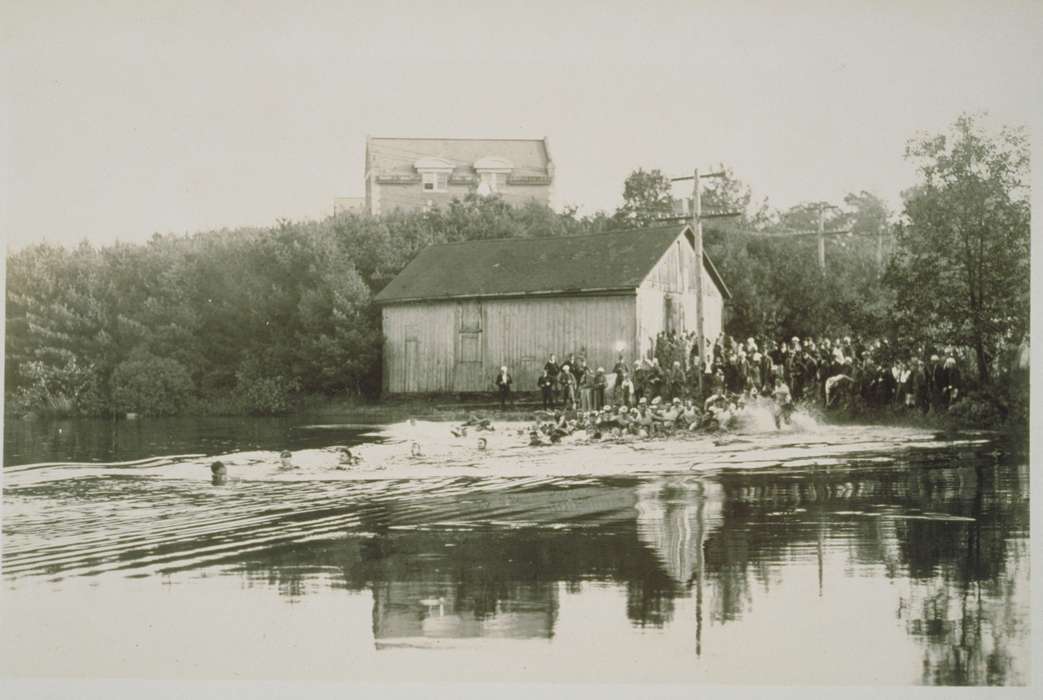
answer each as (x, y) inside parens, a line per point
(676, 381)
(567, 382)
(600, 382)
(639, 381)
(619, 370)
(624, 394)
(503, 383)
(552, 368)
(585, 382)
(654, 379)
(546, 387)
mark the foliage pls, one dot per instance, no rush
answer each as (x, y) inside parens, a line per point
(961, 269)
(646, 198)
(263, 393)
(150, 385)
(977, 410)
(255, 314)
(777, 287)
(259, 316)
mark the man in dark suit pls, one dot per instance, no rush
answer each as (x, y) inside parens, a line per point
(552, 368)
(546, 386)
(503, 383)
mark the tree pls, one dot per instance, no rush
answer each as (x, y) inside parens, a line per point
(646, 198)
(961, 268)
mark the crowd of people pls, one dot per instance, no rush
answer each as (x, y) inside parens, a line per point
(825, 371)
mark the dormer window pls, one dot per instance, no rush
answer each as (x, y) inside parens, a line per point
(434, 173)
(493, 180)
(435, 181)
(492, 173)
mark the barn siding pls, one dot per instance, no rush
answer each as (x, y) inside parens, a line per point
(521, 333)
(674, 276)
(432, 327)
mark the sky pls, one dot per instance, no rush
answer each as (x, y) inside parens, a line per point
(124, 119)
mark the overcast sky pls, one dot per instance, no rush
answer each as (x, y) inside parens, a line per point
(127, 118)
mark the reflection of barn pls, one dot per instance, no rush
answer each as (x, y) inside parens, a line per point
(407, 611)
(498, 582)
(459, 311)
(673, 518)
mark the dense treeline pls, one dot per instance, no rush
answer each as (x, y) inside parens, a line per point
(242, 320)
(245, 320)
(236, 320)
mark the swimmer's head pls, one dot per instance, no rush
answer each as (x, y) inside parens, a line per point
(481, 443)
(284, 457)
(218, 468)
(414, 449)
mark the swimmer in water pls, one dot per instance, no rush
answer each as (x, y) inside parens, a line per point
(284, 460)
(218, 474)
(414, 450)
(347, 459)
(482, 443)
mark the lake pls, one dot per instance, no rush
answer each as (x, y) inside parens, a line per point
(821, 555)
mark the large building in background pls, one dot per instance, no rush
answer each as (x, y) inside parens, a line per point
(416, 173)
(459, 311)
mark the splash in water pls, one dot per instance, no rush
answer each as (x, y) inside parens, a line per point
(758, 416)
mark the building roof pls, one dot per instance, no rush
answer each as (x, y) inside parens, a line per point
(616, 261)
(397, 156)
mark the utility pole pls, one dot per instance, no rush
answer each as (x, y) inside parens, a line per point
(697, 228)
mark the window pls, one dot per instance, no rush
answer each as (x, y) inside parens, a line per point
(494, 181)
(470, 317)
(435, 182)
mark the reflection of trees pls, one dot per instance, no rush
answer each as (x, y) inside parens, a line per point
(953, 532)
(479, 580)
(949, 528)
(962, 603)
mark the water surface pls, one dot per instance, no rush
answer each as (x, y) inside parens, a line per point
(848, 555)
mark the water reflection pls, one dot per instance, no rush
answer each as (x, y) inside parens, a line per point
(942, 537)
(955, 536)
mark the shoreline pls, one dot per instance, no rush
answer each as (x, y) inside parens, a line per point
(449, 409)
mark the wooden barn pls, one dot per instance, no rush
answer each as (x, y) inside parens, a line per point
(459, 311)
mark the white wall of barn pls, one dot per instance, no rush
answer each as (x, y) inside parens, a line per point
(666, 299)
(458, 346)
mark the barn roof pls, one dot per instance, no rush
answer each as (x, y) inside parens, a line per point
(614, 261)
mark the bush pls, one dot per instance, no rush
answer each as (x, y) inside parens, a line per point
(263, 394)
(977, 410)
(149, 385)
(55, 389)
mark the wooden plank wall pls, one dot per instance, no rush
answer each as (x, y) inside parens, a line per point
(521, 333)
(674, 275)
